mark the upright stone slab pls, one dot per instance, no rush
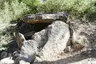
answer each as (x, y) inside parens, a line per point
(58, 35)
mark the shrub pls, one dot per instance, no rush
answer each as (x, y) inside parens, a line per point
(12, 11)
(9, 11)
(32, 4)
(74, 7)
(6, 36)
(49, 7)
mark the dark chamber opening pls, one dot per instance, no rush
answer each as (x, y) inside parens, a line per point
(28, 29)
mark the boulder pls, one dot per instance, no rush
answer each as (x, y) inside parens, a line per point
(47, 43)
(45, 18)
(7, 60)
(28, 51)
(52, 40)
(84, 33)
(3, 54)
(23, 62)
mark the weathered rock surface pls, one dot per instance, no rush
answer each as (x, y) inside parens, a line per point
(84, 33)
(27, 52)
(45, 18)
(57, 37)
(47, 43)
(7, 60)
(23, 62)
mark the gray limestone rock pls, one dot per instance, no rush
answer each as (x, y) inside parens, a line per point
(57, 36)
(47, 43)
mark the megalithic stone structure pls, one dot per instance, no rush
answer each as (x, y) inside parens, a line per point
(45, 18)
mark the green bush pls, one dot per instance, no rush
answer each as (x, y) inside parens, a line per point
(49, 7)
(74, 7)
(8, 12)
(12, 11)
(32, 4)
(6, 36)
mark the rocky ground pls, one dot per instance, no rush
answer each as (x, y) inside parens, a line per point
(58, 42)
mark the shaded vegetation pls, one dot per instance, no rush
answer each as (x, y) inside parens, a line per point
(11, 11)
(73, 7)
(6, 36)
